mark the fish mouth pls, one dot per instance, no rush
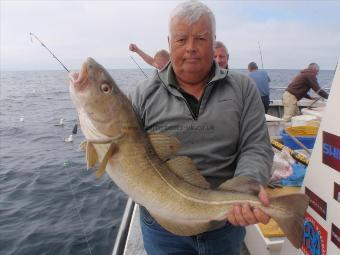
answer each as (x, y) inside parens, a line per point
(79, 79)
(74, 76)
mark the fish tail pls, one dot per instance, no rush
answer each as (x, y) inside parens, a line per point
(291, 216)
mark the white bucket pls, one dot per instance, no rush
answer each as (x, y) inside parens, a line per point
(317, 112)
(274, 125)
(302, 120)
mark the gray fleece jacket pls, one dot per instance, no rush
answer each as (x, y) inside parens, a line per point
(228, 138)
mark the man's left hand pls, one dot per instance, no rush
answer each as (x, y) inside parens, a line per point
(244, 215)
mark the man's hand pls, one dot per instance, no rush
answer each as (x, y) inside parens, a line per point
(244, 215)
(133, 47)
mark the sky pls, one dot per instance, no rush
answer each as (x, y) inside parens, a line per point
(291, 34)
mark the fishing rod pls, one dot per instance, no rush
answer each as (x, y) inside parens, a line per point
(260, 53)
(297, 156)
(315, 100)
(42, 44)
(139, 66)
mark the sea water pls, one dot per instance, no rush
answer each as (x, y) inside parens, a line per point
(49, 202)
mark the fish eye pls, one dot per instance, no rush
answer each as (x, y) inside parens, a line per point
(106, 88)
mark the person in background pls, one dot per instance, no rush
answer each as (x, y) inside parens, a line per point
(160, 59)
(218, 117)
(261, 79)
(221, 54)
(299, 88)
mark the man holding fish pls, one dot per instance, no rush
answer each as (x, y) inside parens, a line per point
(193, 150)
(218, 117)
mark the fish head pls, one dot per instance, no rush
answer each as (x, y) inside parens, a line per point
(95, 96)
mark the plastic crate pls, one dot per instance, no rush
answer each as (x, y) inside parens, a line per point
(307, 141)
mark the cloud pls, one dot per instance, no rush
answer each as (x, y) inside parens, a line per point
(78, 29)
(291, 35)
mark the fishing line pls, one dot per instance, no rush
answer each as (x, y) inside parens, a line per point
(74, 131)
(42, 44)
(77, 209)
(139, 66)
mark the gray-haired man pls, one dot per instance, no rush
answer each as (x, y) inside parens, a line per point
(218, 117)
(221, 55)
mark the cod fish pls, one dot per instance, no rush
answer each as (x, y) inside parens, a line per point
(145, 166)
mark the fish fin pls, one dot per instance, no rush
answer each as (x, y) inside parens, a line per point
(243, 184)
(184, 167)
(102, 165)
(91, 155)
(291, 221)
(82, 145)
(164, 145)
(187, 228)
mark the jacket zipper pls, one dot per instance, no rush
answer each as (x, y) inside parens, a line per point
(191, 112)
(186, 102)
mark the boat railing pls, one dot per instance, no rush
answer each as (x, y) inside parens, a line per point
(124, 227)
(283, 88)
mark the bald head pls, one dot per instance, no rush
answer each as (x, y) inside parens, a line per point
(314, 67)
(252, 66)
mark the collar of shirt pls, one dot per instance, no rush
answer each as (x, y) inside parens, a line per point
(170, 81)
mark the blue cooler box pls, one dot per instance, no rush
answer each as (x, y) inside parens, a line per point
(307, 141)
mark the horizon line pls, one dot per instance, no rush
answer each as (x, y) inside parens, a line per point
(135, 68)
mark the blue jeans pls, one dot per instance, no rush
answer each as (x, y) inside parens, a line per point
(158, 241)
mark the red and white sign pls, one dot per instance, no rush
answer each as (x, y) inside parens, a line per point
(336, 195)
(335, 235)
(315, 202)
(314, 237)
(331, 150)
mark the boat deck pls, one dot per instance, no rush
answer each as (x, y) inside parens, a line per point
(134, 243)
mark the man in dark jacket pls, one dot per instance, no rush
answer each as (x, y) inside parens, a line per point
(299, 88)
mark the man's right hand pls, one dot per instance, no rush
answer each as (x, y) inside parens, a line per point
(133, 47)
(244, 215)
